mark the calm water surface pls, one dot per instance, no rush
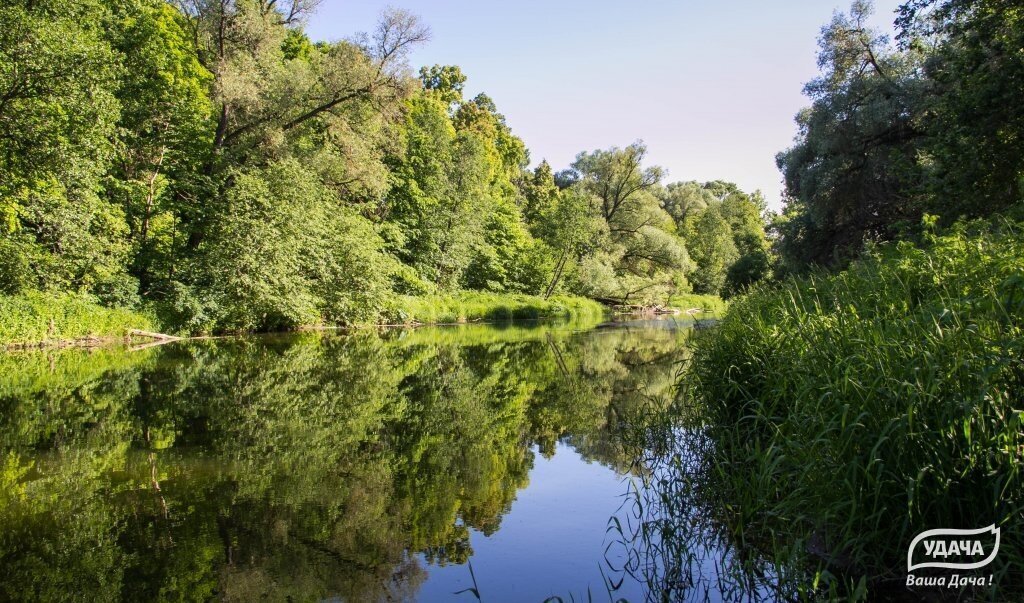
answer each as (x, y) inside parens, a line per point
(435, 464)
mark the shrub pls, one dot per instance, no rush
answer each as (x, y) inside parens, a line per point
(470, 306)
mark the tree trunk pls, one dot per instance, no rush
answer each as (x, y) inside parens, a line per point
(556, 276)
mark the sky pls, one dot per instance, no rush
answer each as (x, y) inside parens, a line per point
(710, 87)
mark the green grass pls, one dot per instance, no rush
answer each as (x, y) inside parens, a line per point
(711, 304)
(476, 306)
(846, 413)
(36, 317)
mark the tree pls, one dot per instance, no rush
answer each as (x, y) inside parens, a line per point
(164, 125)
(446, 81)
(712, 249)
(264, 100)
(854, 168)
(616, 176)
(539, 192)
(572, 226)
(745, 215)
(644, 259)
(972, 115)
(931, 126)
(58, 115)
(679, 199)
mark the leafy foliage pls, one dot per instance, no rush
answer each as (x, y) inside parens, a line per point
(211, 161)
(933, 125)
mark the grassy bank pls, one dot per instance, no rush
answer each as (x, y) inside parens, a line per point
(36, 317)
(710, 304)
(470, 305)
(847, 413)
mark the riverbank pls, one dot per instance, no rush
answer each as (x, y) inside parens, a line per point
(478, 306)
(36, 319)
(61, 320)
(849, 412)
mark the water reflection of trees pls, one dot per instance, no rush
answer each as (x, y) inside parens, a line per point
(305, 466)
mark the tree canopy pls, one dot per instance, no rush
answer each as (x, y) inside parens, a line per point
(212, 162)
(929, 124)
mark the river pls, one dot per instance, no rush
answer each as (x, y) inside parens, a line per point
(490, 462)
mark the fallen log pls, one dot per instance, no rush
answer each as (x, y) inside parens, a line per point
(152, 335)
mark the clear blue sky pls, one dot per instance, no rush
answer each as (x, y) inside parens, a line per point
(711, 87)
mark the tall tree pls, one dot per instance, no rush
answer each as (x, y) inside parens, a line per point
(853, 173)
(445, 81)
(617, 177)
(973, 114)
(58, 116)
(539, 192)
(164, 125)
(644, 253)
(573, 226)
(262, 98)
(712, 249)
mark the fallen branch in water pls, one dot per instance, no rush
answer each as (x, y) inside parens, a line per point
(150, 334)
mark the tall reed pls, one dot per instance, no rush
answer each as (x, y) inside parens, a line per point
(845, 413)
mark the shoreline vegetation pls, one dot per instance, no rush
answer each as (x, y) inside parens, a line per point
(898, 382)
(873, 390)
(38, 320)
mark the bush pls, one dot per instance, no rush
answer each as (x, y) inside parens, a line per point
(710, 304)
(850, 412)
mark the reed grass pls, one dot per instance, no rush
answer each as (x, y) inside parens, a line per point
(846, 413)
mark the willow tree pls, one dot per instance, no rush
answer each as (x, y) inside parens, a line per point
(644, 259)
(280, 102)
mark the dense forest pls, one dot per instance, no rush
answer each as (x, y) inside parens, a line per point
(210, 163)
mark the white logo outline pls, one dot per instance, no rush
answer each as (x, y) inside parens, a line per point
(952, 532)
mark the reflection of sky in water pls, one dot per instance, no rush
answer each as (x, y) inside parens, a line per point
(551, 542)
(313, 466)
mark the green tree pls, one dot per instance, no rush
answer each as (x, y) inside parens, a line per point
(680, 199)
(446, 81)
(745, 215)
(617, 177)
(165, 126)
(853, 174)
(573, 227)
(539, 192)
(59, 112)
(645, 260)
(712, 249)
(972, 114)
